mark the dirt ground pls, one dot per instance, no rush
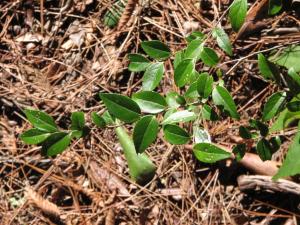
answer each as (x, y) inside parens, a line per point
(56, 56)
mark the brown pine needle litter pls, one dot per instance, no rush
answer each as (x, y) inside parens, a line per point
(56, 56)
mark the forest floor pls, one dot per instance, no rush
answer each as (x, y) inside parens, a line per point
(56, 56)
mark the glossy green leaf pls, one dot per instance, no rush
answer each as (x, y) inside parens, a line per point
(191, 92)
(263, 128)
(221, 97)
(208, 113)
(209, 153)
(273, 105)
(153, 76)
(244, 132)
(293, 81)
(174, 100)
(183, 72)
(113, 14)
(237, 13)
(98, 120)
(180, 116)
(144, 133)
(179, 56)
(289, 57)
(156, 49)
(268, 69)
(274, 6)
(222, 40)
(205, 85)
(149, 101)
(194, 49)
(138, 62)
(291, 164)
(121, 107)
(41, 120)
(275, 143)
(209, 57)
(201, 135)
(77, 121)
(239, 151)
(34, 136)
(175, 134)
(264, 149)
(195, 35)
(141, 169)
(56, 143)
(293, 106)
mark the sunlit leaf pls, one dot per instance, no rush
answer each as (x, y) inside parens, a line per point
(121, 107)
(156, 49)
(183, 72)
(175, 134)
(56, 143)
(237, 13)
(209, 153)
(273, 105)
(144, 133)
(138, 62)
(34, 136)
(180, 116)
(152, 76)
(222, 40)
(149, 101)
(41, 120)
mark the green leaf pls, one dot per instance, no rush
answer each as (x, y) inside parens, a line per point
(112, 16)
(174, 100)
(293, 81)
(153, 76)
(284, 119)
(291, 164)
(121, 107)
(209, 153)
(183, 72)
(264, 149)
(268, 69)
(275, 143)
(237, 14)
(194, 49)
(205, 85)
(208, 113)
(263, 128)
(149, 101)
(77, 121)
(274, 6)
(144, 133)
(175, 134)
(41, 120)
(141, 169)
(273, 105)
(34, 136)
(209, 57)
(98, 120)
(138, 62)
(201, 135)
(293, 106)
(179, 56)
(156, 49)
(195, 35)
(239, 151)
(109, 119)
(244, 132)
(180, 116)
(222, 97)
(288, 58)
(191, 92)
(222, 40)
(56, 143)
